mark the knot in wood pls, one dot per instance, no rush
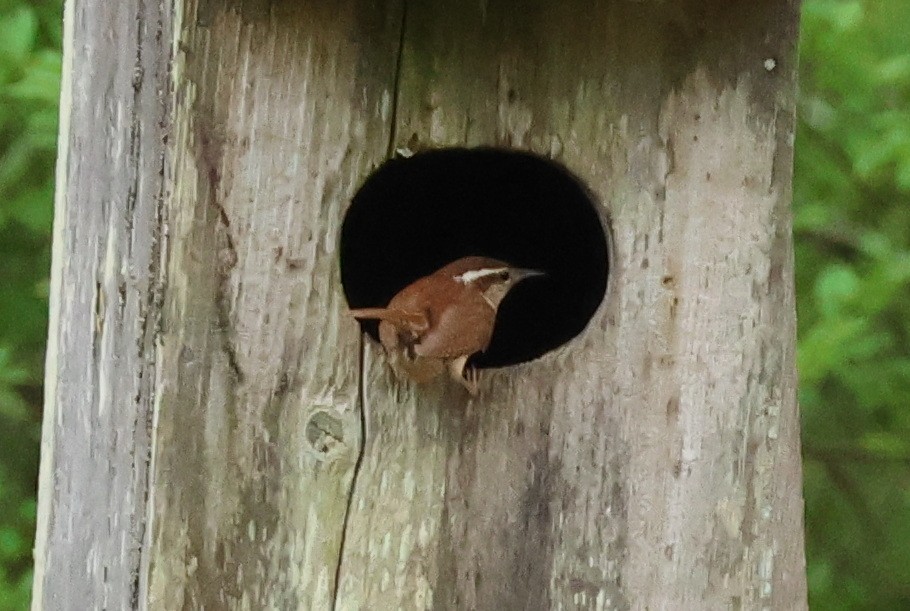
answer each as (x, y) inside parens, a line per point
(325, 434)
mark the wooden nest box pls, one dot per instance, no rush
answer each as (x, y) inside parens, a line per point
(235, 174)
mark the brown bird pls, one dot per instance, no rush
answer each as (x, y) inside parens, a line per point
(439, 321)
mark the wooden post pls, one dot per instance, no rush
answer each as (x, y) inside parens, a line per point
(204, 443)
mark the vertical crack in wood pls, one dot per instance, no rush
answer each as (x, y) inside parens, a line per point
(140, 426)
(361, 451)
(361, 380)
(396, 89)
(151, 320)
(210, 158)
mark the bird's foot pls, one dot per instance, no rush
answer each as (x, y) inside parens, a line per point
(469, 377)
(471, 380)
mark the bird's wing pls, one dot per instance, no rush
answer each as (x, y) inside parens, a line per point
(462, 329)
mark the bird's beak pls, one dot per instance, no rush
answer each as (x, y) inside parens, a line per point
(523, 273)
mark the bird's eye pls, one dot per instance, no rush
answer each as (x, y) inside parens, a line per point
(504, 275)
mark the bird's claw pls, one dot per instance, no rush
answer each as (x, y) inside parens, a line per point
(472, 380)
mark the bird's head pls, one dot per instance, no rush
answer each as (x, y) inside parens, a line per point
(492, 277)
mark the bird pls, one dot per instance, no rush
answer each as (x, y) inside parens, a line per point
(440, 321)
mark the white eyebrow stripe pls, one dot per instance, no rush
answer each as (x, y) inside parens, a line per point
(474, 274)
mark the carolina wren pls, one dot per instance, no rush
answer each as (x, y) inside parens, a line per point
(439, 321)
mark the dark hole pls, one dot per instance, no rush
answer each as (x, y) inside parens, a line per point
(412, 216)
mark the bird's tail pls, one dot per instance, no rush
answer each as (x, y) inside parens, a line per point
(399, 318)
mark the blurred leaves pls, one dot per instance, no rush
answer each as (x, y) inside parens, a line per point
(29, 89)
(12, 405)
(18, 34)
(852, 228)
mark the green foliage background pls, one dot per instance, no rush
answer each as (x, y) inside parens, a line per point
(30, 37)
(852, 227)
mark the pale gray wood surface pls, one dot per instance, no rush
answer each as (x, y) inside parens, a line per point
(199, 334)
(653, 462)
(106, 291)
(282, 110)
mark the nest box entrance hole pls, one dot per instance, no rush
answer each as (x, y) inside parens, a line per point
(414, 215)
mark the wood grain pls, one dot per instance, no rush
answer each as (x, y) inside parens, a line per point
(106, 290)
(651, 462)
(281, 113)
(216, 434)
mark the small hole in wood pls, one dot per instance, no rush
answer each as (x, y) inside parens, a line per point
(414, 215)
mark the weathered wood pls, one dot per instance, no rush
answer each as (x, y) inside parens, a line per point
(282, 111)
(202, 442)
(106, 289)
(653, 461)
